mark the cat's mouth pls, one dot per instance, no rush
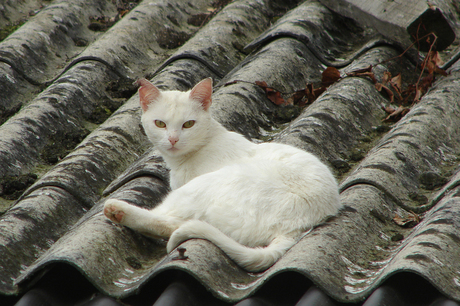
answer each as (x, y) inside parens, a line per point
(173, 149)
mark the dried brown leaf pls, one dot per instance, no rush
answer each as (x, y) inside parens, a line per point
(275, 97)
(386, 77)
(418, 95)
(122, 13)
(409, 220)
(440, 71)
(390, 94)
(272, 94)
(318, 91)
(435, 58)
(426, 82)
(363, 74)
(396, 82)
(397, 114)
(330, 76)
(299, 97)
(262, 84)
(429, 64)
(433, 62)
(388, 109)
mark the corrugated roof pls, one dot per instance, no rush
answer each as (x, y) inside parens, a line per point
(71, 138)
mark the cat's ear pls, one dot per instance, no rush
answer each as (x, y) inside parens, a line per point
(147, 93)
(202, 92)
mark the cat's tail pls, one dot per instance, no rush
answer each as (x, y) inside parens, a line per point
(252, 259)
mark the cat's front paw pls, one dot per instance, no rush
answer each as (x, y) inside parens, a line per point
(115, 210)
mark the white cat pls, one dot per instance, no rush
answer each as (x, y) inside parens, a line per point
(254, 201)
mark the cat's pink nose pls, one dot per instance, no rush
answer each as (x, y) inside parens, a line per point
(173, 140)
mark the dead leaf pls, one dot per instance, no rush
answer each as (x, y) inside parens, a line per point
(310, 92)
(410, 220)
(396, 82)
(427, 81)
(433, 62)
(397, 114)
(386, 77)
(418, 95)
(299, 98)
(122, 13)
(388, 109)
(262, 84)
(408, 93)
(272, 94)
(422, 87)
(440, 71)
(390, 94)
(383, 85)
(363, 74)
(318, 91)
(275, 97)
(329, 76)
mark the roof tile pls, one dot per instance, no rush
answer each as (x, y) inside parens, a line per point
(391, 173)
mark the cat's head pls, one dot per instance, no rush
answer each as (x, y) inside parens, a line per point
(176, 122)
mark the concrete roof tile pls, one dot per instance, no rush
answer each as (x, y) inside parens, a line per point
(389, 172)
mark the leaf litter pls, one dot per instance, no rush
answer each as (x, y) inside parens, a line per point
(410, 219)
(389, 85)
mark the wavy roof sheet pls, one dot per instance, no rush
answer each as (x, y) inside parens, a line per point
(70, 138)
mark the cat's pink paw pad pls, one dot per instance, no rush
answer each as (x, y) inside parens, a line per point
(113, 212)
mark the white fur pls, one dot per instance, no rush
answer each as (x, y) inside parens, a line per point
(253, 201)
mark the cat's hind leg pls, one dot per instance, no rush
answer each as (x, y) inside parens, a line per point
(144, 221)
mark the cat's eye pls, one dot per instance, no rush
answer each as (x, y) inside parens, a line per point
(160, 124)
(188, 124)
